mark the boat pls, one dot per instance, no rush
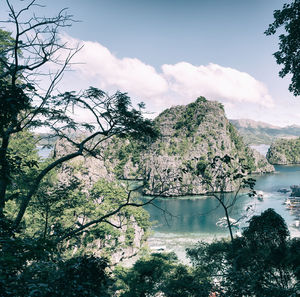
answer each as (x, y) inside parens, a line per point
(292, 201)
(160, 248)
(259, 195)
(283, 190)
(293, 204)
(222, 222)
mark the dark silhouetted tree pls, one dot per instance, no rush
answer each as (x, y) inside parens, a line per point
(27, 55)
(161, 275)
(263, 263)
(288, 54)
(32, 55)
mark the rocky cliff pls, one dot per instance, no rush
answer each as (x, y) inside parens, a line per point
(284, 151)
(191, 137)
(122, 243)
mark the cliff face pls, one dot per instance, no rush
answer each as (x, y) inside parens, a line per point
(124, 243)
(191, 136)
(284, 151)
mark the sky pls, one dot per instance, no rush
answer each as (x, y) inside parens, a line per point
(169, 52)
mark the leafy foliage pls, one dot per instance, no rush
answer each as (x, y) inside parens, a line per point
(161, 274)
(288, 54)
(192, 117)
(39, 258)
(80, 276)
(260, 263)
(284, 151)
(59, 209)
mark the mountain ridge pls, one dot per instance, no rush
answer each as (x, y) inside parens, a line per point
(257, 132)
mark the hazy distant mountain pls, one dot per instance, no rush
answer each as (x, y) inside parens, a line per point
(255, 132)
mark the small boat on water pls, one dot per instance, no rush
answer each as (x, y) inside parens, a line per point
(161, 248)
(259, 195)
(283, 190)
(292, 201)
(222, 222)
(293, 204)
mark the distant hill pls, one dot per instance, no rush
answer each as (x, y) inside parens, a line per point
(255, 132)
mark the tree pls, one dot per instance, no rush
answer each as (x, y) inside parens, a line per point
(34, 44)
(79, 276)
(263, 262)
(30, 195)
(161, 273)
(221, 173)
(6, 41)
(91, 220)
(288, 54)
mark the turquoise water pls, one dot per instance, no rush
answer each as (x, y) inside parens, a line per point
(189, 219)
(44, 152)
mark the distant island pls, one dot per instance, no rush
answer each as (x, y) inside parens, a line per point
(284, 152)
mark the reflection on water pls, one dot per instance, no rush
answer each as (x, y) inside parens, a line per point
(189, 219)
(192, 214)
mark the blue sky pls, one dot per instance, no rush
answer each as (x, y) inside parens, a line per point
(168, 52)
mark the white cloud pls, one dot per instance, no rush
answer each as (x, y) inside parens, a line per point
(176, 84)
(216, 82)
(130, 75)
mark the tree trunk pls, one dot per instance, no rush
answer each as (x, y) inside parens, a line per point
(4, 172)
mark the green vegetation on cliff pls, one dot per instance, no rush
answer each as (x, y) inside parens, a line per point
(191, 137)
(189, 121)
(284, 151)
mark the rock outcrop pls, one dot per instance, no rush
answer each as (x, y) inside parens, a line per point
(125, 242)
(191, 137)
(284, 151)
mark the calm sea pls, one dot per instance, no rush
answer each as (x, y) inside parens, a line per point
(189, 219)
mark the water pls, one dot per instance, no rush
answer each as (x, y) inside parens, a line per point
(44, 152)
(189, 219)
(261, 148)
